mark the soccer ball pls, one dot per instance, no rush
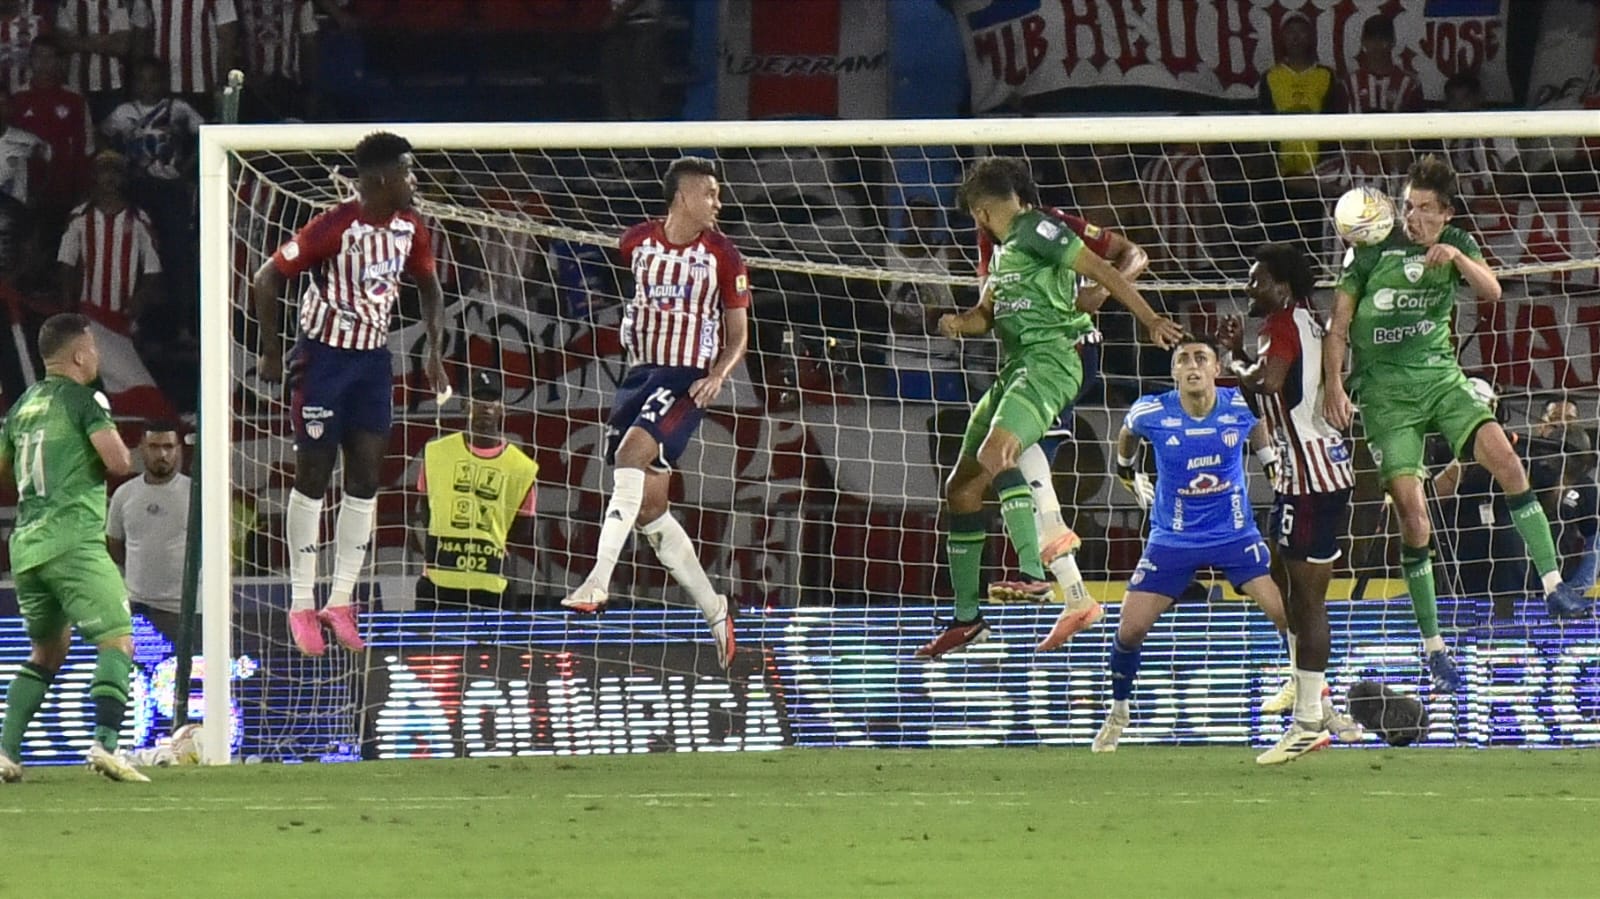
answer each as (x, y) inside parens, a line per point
(186, 742)
(1363, 216)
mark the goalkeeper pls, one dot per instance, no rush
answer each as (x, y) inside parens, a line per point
(1392, 308)
(1030, 303)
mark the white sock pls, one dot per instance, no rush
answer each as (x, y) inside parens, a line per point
(1433, 643)
(1065, 570)
(1551, 580)
(302, 530)
(352, 534)
(1308, 697)
(675, 550)
(1046, 505)
(627, 493)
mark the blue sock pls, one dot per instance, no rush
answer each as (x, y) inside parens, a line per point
(1124, 668)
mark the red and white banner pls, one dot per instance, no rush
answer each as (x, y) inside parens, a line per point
(1021, 48)
(803, 58)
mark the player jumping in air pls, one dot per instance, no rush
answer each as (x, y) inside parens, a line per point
(1312, 486)
(340, 368)
(59, 445)
(1029, 301)
(686, 328)
(1201, 514)
(1057, 541)
(1392, 309)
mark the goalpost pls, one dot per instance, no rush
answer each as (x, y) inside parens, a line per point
(814, 487)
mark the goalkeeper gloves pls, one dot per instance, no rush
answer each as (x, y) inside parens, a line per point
(1141, 485)
(1268, 457)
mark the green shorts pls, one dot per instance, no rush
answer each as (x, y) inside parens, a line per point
(81, 587)
(1029, 395)
(1398, 416)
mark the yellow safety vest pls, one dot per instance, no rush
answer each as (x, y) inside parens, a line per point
(472, 501)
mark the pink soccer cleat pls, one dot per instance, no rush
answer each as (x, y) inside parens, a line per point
(1069, 624)
(307, 631)
(342, 621)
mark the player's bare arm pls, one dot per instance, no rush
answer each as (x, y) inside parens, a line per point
(113, 452)
(1477, 273)
(418, 531)
(1264, 375)
(1163, 331)
(735, 338)
(431, 296)
(1336, 407)
(1266, 453)
(266, 288)
(974, 322)
(1129, 258)
(8, 472)
(1138, 483)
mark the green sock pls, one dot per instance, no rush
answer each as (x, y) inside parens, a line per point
(968, 531)
(112, 668)
(1416, 562)
(1529, 517)
(23, 699)
(1016, 507)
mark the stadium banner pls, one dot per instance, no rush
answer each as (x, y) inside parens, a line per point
(1022, 48)
(458, 685)
(831, 62)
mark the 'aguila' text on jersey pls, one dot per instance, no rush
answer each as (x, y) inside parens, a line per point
(1401, 327)
(1034, 286)
(1201, 497)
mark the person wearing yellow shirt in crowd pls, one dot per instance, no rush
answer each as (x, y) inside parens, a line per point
(475, 485)
(1297, 84)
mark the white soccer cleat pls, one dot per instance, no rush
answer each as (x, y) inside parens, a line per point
(114, 766)
(10, 769)
(1110, 732)
(1295, 742)
(1281, 702)
(1341, 726)
(588, 598)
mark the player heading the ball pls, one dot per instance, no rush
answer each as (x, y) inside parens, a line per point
(686, 328)
(340, 377)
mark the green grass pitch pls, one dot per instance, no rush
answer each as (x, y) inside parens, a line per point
(1174, 822)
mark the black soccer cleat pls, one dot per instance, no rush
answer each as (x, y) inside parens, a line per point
(1399, 719)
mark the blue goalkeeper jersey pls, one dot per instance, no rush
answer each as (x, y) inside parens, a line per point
(1201, 497)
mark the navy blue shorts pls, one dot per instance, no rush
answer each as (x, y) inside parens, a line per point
(656, 398)
(1307, 526)
(333, 391)
(1168, 570)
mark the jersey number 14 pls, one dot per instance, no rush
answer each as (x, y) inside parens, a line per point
(30, 462)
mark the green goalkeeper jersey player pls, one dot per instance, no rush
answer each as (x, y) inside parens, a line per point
(1393, 306)
(1030, 302)
(59, 444)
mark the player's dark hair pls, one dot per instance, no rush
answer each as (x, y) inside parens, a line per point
(1203, 340)
(684, 165)
(380, 149)
(1022, 181)
(1378, 26)
(159, 426)
(59, 331)
(1432, 172)
(990, 178)
(1289, 264)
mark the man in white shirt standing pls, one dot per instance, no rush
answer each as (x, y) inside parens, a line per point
(147, 526)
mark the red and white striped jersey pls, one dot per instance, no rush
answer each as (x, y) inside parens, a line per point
(1176, 186)
(1366, 91)
(17, 33)
(356, 266)
(675, 315)
(273, 30)
(94, 72)
(186, 37)
(1314, 456)
(113, 249)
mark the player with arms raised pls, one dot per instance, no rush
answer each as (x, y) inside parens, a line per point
(1201, 515)
(686, 328)
(341, 372)
(1057, 541)
(1313, 483)
(1030, 301)
(1392, 309)
(59, 445)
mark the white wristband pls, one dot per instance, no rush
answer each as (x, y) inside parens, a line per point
(1267, 455)
(1124, 461)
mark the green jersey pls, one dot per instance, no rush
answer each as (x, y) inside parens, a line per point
(61, 482)
(1401, 327)
(1034, 287)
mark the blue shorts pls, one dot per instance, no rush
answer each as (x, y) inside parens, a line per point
(1167, 570)
(656, 399)
(1307, 526)
(334, 390)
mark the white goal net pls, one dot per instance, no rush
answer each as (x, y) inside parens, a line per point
(812, 490)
